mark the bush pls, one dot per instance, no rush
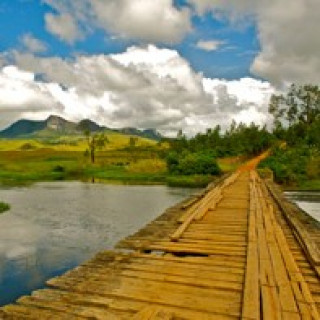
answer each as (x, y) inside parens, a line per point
(59, 169)
(290, 166)
(172, 162)
(28, 146)
(192, 163)
(4, 207)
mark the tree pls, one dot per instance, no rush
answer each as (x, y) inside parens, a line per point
(300, 105)
(95, 141)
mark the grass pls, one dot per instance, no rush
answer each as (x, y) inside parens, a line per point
(59, 159)
(72, 143)
(193, 181)
(306, 185)
(4, 207)
(62, 158)
(120, 173)
(310, 185)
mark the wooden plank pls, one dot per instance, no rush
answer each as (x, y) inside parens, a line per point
(270, 303)
(73, 310)
(202, 299)
(251, 297)
(124, 305)
(311, 249)
(153, 313)
(177, 234)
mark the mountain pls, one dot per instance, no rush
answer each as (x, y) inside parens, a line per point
(60, 125)
(148, 133)
(152, 134)
(55, 125)
(87, 124)
(21, 128)
(52, 125)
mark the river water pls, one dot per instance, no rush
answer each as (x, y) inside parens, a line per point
(309, 201)
(54, 226)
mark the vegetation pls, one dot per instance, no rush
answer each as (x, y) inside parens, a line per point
(94, 142)
(294, 145)
(296, 161)
(211, 153)
(191, 181)
(188, 163)
(239, 139)
(47, 161)
(4, 207)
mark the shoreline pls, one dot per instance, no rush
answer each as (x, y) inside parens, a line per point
(194, 181)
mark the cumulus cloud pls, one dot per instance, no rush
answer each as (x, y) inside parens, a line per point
(289, 39)
(246, 99)
(150, 21)
(33, 44)
(64, 26)
(21, 94)
(209, 45)
(144, 87)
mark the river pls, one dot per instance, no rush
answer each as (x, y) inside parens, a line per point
(309, 201)
(54, 226)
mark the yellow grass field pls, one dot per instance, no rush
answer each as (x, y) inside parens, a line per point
(72, 143)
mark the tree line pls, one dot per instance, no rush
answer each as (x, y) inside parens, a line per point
(294, 140)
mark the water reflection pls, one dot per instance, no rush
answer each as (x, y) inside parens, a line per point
(52, 227)
(307, 201)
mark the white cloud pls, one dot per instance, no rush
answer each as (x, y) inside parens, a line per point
(20, 93)
(33, 44)
(210, 45)
(289, 40)
(148, 20)
(244, 100)
(142, 87)
(64, 26)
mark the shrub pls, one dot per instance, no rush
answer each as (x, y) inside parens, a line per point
(290, 166)
(4, 207)
(193, 163)
(27, 146)
(59, 169)
(172, 162)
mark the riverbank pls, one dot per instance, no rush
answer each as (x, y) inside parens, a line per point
(310, 185)
(136, 166)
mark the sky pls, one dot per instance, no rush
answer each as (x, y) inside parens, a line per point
(162, 64)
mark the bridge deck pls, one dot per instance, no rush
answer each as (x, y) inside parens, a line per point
(232, 252)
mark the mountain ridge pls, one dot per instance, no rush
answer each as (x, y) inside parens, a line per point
(57, 125)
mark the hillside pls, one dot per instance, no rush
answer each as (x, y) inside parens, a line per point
(55, 126)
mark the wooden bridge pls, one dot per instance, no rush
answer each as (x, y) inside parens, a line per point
(237, 250)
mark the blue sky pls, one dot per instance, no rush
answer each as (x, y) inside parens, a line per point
(163, 64)
(231, 60)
